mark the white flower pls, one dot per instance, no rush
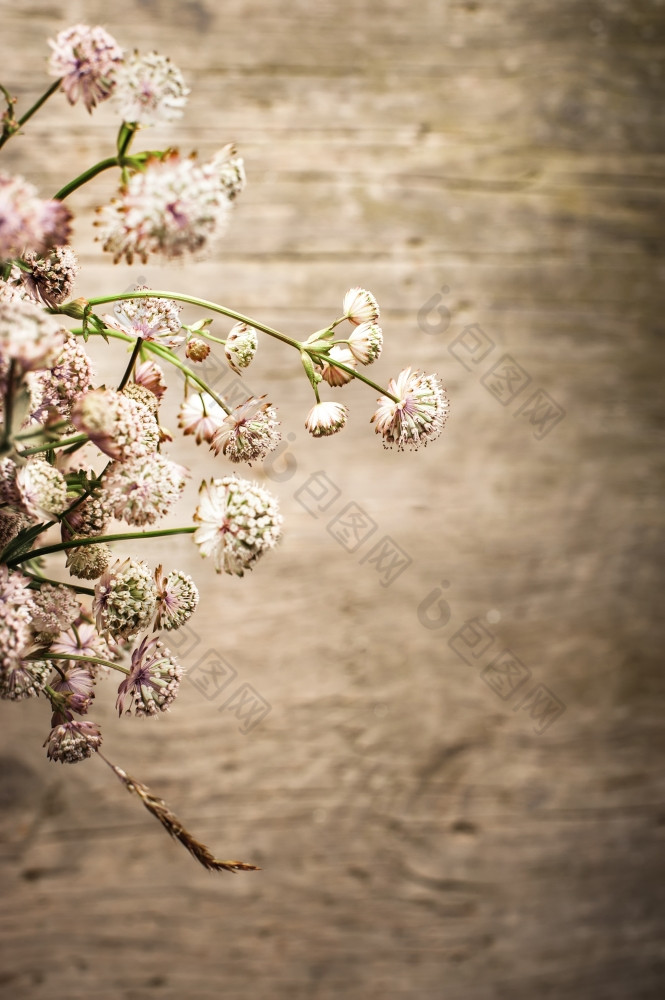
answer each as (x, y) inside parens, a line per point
(418, 416)
(125, 599)
(86, 58)
(153, 681)
(248, 433)
(366, 342)
(149, 89)
(239, 521)
(326, 418)
(333, 375)
(157, 320)
(43, 489)
(200, 415)
(28, 336)
(177, 598)
(174, 207)
(360, 306)
(143, 489)
(27, 222)
(240, 347)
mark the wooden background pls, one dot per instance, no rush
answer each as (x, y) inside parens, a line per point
(418, 837)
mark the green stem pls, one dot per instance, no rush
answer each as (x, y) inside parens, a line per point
(203, 304)
(58, 583)
(40, 430)
(352, 371)
(132, 361)
(75, 543)
(76, 656)
(64, 443)
(87, 175)
(8, 410)
(31, 111)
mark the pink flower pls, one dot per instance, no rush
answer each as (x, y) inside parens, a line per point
(326, 418)
(418, 415)
(86, 59)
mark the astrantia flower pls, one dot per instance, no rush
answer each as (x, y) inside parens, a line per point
(200, 415)
(9, 493)
(197, 349)
(28, 336)
(173, 207)
(24, 679)
(43, 489)
(73, 740)
(125, 599)
(83, 639)
(177, 598)
(77, 684)
(86, 520)
(149, 89)
(149, 375)
(153, 682)
(151, 319)
(141, 395)
(326, 418)
(366, 342)
(55, 608)
(88, 562)
(330, 373)
(11, 522)
(360, 306)
(119, 426)
(59, 385)
(15, 611)
(248, 433)
(51, 277)
(27, 222)
(241, 345)
(86, 58)
(239, 521)
(142, 490)
(419, 415)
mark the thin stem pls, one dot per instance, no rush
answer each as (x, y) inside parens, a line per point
(203, 304)
(31, 111)
(40, 430)
(64, 443)
(58, 583)
(47, 550)
(87, 175)
(166, 355)
(8, 406)
(76, 656)
(132, 361)
(352, 371)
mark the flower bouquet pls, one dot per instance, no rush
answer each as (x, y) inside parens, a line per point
(74, 454)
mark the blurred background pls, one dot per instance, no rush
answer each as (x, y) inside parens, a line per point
(433, 716)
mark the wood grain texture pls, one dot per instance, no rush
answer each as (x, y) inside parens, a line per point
(417, 837)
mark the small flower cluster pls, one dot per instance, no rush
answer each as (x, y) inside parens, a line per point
(88, 462)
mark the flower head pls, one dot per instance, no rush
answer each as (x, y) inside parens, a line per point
(149, 375)
(60, 384)
(88, 562)
(119, 426)
(419, 414)
(24, 679)
(28, 223)
(86, 58)
(360, 306)
(230, 169)
(200, 415)
(333, 375)
(248, 433)
(366, 343)
(142, 490)
(73, 740)
(149, 89)
(238, 522)
(77, 683)
(241, 345)
(153, 681)
(51, 277)
(174, 207)
(15, 611)
(80, 640)
(157, 320)
(55, 608)
(177, 598)
(125, 599)
(28, 336)
(197, 349)
(87, 520)
(43, 489)
(326, 418)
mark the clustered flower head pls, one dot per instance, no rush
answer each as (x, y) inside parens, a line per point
(177, 598)
(241, 345)
(174, 207)
(153, 681)
(86, 59)
(238, 521)
(149, 89)
(58, 386)
(118, 425)
(142, 490)
(27, 222)
(73, 740)
(29, 337)
(125, 599)
(418, 415)
(153, 319)
(248, 433)
(51, 277)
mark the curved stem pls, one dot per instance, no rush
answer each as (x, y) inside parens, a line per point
(75, 543)
(203, 304)
(64, 443)
(352, 371)
(31, 111)
(76, 656)
(87, 175)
